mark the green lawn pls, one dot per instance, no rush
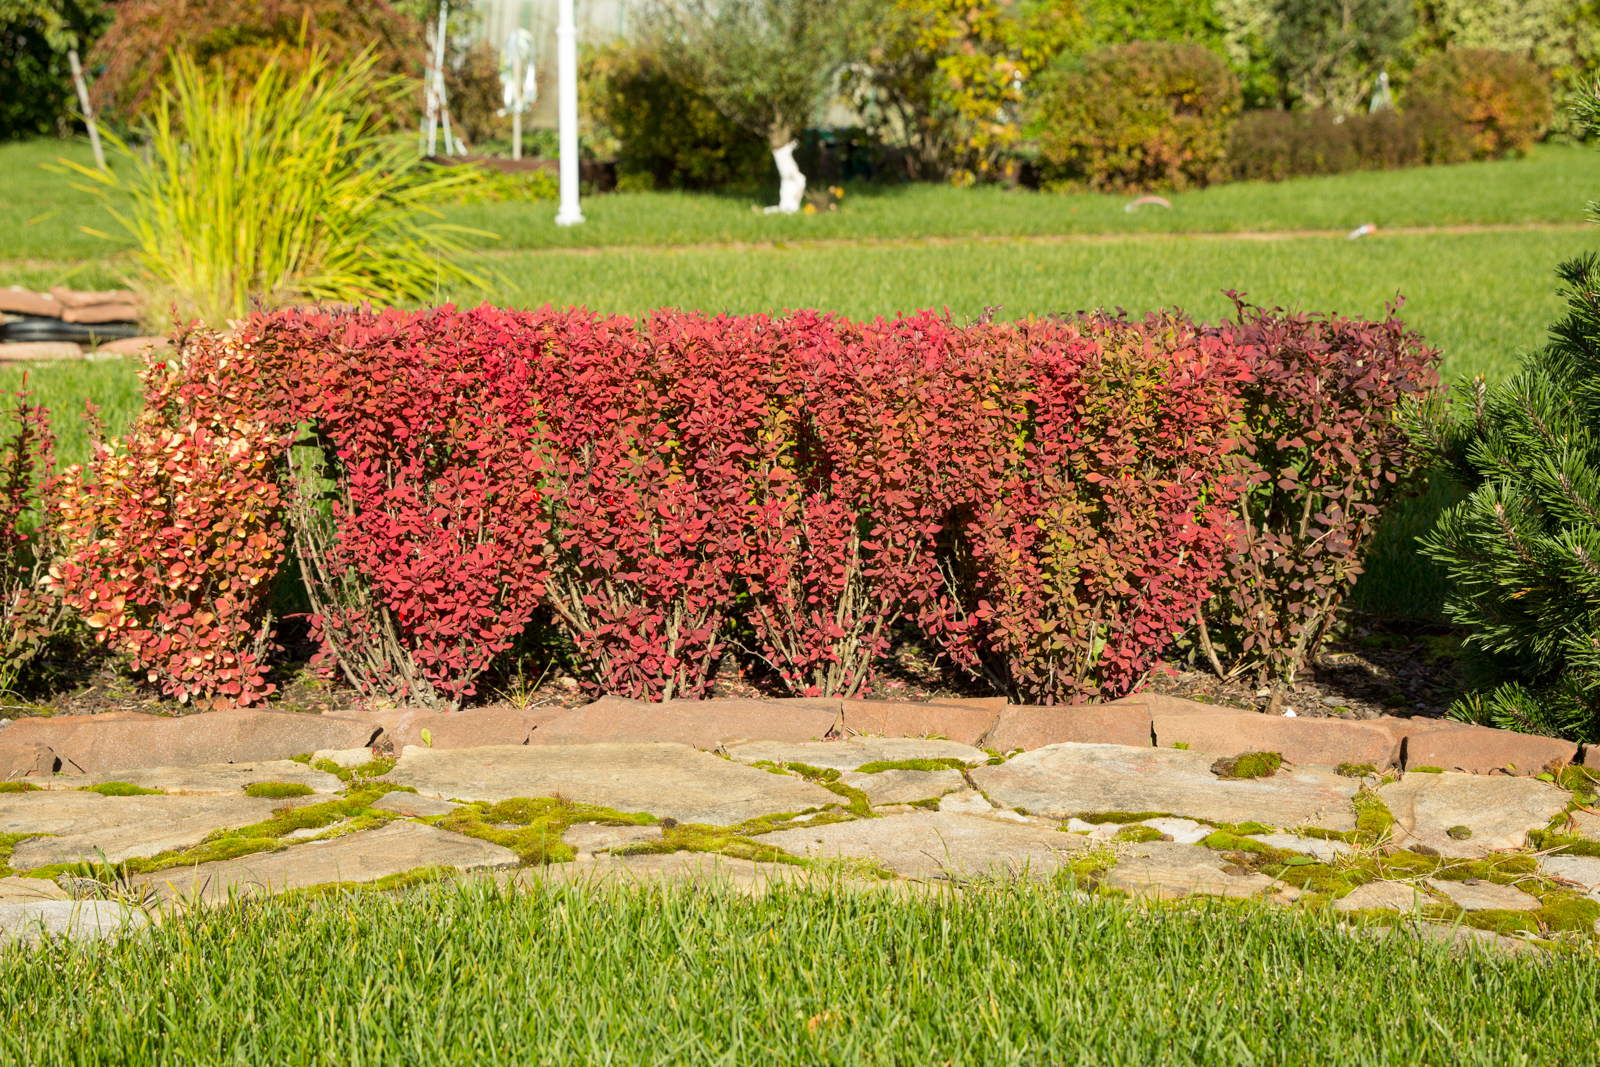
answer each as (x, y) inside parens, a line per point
(1004, 975)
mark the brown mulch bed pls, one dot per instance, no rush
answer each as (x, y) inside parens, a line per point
(1362, 673)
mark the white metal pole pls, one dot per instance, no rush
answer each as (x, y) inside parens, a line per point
(88, 109)
(569, 213)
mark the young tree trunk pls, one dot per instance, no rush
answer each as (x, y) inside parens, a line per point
(791, 183)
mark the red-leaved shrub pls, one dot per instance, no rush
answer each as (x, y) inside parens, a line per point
(27, 454)
(171, 536)
(1099, 519)
(1323, 452)
(419, 491)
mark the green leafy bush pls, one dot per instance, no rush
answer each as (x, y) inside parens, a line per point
(281, 189)
(1272, 145)
(1501, 98)
(1145, 115)
(663, 130)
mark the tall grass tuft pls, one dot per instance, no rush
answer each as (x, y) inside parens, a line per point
(281, 189)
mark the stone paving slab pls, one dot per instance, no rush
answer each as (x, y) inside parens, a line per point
(850, 753)
(469, 728)
(1382, 896)
(668, 780)
(1476, 895)
(361, 857)
(904, 786)
(592, 837)
(24, 889)
(966, 721)
(102, 744)
(1325, 742)
(402, 803)
(209, 778)
(92, 828)
(1027, 727)
(1493, 812)
(1169, 870)
(29, 922)
(701, 724)
(937, 845)
(1484, 750)
(1072, 779)
(1321, 848)
(1582, 872)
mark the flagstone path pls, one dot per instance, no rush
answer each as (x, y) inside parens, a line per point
(709, 797)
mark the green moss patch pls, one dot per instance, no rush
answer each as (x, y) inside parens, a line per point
(1356, 770)
(532, 826)
(1374, 820)
(1139, 833)
(7, 843)
(18, 787)
(1248, 765)
(1563, 844)
(119, 789)
(1123, 816)
(278, 790)
(879, 766)
(1426, 770)
(388, 884)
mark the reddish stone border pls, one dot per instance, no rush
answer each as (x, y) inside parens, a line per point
(95, 744)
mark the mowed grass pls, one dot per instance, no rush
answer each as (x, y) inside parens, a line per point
(42, 215)
(1007, 975)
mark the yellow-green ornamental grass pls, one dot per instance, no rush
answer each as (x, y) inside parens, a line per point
(281, 189)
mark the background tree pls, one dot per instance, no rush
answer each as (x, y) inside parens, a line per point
(36, 95)
(768, 66)
(1331, 50)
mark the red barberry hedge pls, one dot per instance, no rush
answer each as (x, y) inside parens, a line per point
(1048, 503)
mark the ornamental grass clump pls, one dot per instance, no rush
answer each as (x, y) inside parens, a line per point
(280, 189)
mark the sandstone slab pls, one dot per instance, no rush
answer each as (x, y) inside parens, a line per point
(965, 721)
(1486, 812)
(472, 728)
(24, 759)
(1026, 727)
(29, 922)
(1169, 870)
(966, 802)
(1183, 831)
(1483, 749)
(134, 346)
(848, 754)
(598, 837)
(937, 845)
(662, 779)
(12, 889)
(1381, 896)
(1068, 779)
(209, 778)
(1324, 742)
(904, 786)
(402, 803)
(1322, 849)
(703, 724)
(1583, 872)
(20, 301)
(343, 757)
(362, 857)
(92, 828)
(99, 744)
(1473, 894)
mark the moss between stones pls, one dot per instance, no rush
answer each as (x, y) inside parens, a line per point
(352, 813)
(532, 826)
(1563, 844)
(278, 790)
(1140, 833)
(879, 766)
(7, 843)
(1426, 770)
(856, 802)
(119, 789)
(1356, 770)
(366, 772)
(18, 787)
(1248, 765)
(1374, 820)
(1122, 816)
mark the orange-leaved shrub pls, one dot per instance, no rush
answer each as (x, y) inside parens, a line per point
(1501, 98)
(170, 537)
